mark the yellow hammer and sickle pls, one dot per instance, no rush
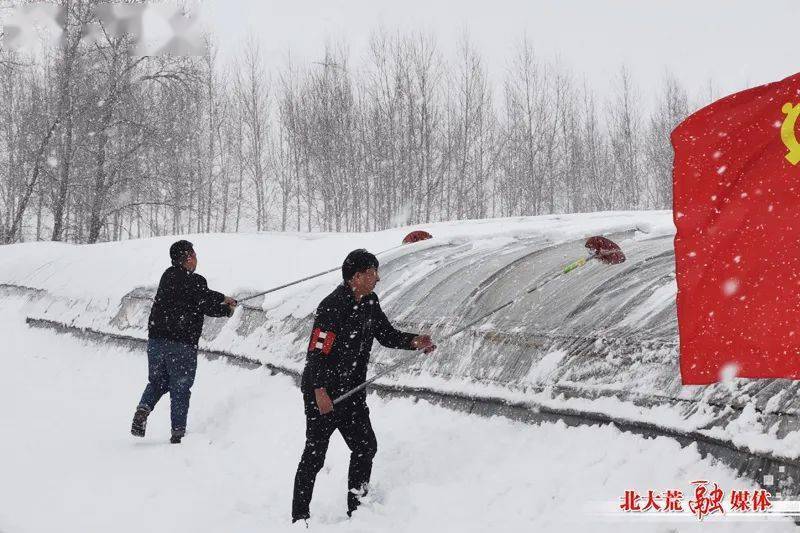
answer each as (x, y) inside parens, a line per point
(787, 132)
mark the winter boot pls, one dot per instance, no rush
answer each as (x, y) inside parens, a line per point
(176, 437)
(140, 421)
(354, 498)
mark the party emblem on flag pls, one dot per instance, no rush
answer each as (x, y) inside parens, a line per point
(322, 341)
(787, 132)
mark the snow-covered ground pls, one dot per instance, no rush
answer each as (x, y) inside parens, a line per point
(68, 463)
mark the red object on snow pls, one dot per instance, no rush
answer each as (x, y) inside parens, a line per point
(416, 236)
(605, 250)
(736, 206)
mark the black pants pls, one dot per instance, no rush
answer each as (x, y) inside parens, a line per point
(171, 367)
(352, 421)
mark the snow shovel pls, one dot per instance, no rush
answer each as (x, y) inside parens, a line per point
(600, 248)
(414, 236)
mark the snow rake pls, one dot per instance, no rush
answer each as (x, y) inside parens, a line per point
(414, 236)
(600, 248)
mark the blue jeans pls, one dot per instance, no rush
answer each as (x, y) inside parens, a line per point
(171, 367)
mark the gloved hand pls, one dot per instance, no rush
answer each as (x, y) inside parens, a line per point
(424, 343)
(231, 303)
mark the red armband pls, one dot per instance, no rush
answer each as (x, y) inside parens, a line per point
(322, 341)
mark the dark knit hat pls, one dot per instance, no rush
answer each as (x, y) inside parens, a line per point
(180, 251)
(358, 261)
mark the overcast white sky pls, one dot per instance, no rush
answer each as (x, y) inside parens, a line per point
(737, 43)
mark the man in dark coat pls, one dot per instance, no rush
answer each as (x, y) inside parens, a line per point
(345, 324)
(176, 322)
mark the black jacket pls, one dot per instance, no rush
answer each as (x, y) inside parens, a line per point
(341, 341)
(182, 299)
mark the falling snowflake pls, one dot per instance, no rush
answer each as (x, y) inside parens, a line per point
(728, 372)
(730, 287)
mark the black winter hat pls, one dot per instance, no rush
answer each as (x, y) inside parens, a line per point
(180, 251)
(357, 261)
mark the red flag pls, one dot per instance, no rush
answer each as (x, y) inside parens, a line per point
(736, 206)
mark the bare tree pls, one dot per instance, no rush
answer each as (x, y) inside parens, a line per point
(252, 92)
(625, 132)
(472, 127)
(528, 121)
(294, 139)
(672, 107)
(601, 187)
(77, 16)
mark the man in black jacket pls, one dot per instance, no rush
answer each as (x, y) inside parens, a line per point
(176, 322)
(345, 324)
